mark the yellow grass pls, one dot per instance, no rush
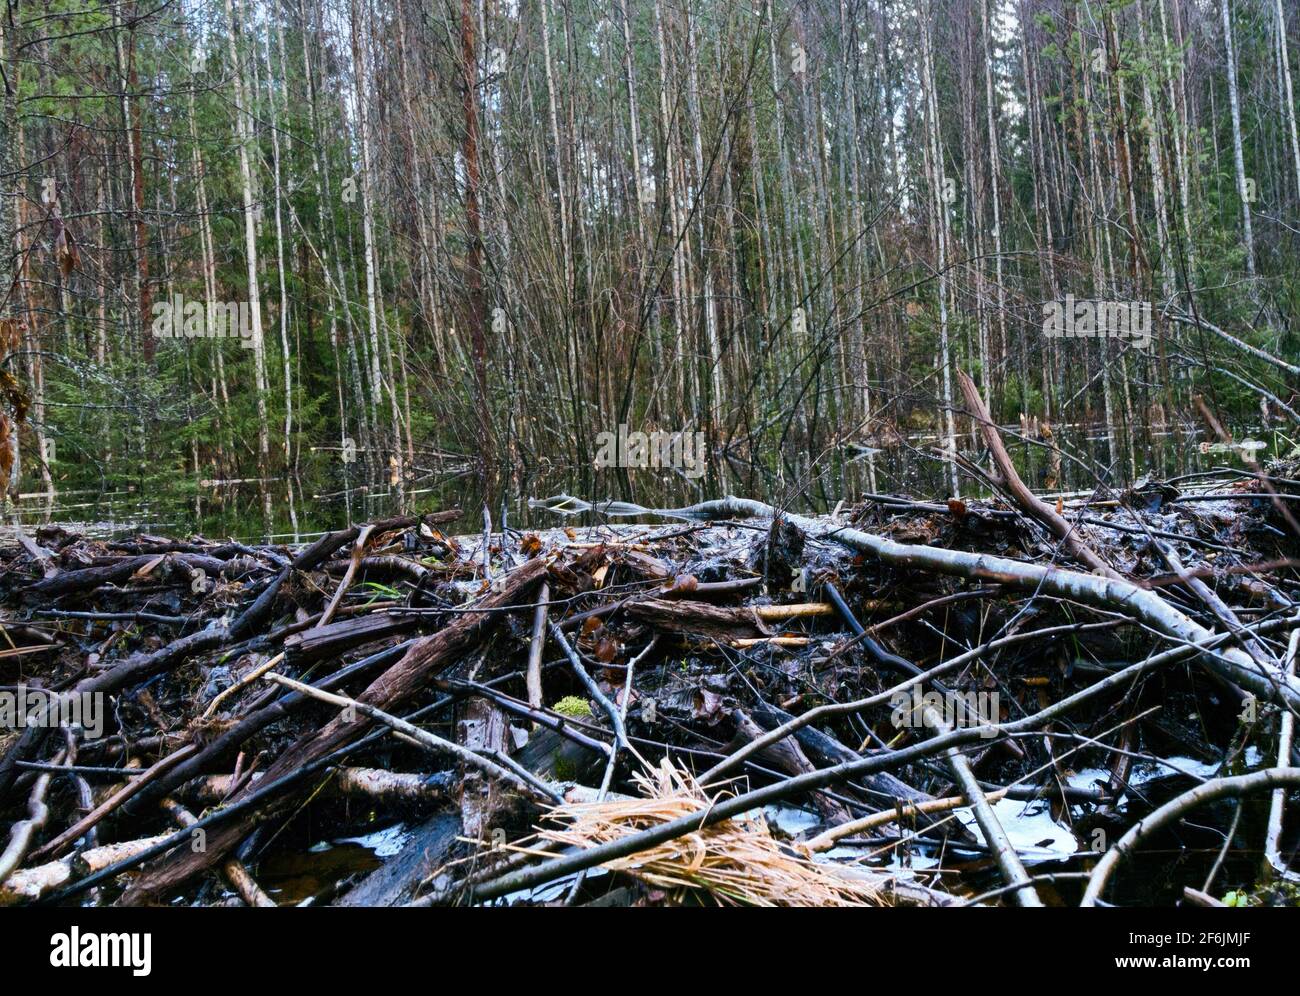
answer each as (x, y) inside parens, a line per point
(735, 862)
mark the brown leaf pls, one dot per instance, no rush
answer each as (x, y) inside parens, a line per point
(591, 625)
(706, 704)
(683, 584)
(919, 531)
(530, 545)
(957, 507)
(606, 650)
(65, 251)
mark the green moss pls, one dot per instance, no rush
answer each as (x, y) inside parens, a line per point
(565, 769)
(573, 706)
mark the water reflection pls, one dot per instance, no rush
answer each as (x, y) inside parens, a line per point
(1050, 459)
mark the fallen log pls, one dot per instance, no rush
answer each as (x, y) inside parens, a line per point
(337, 638)
(380, 786)
(232, 869)
(698, 619)
(321, 550)
(30, 884)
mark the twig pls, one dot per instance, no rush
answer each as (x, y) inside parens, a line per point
(92, 818)
(423, 738)
(1277, 805)
(358, 551)
(1013, 870)
(534, 677)
(241, 684)
(22, 832)
(1176, 808)
(616, 720)
(827, 838)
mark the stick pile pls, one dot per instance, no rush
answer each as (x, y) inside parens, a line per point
(906, 702)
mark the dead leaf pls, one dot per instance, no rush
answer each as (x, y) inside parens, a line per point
(683, 584)
(706, 705)
(65, 251)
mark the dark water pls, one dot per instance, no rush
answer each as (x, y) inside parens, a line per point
(292, 878)
(1069, 458)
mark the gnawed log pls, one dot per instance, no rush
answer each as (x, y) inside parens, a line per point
(484, 729)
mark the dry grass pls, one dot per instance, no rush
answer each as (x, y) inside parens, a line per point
(736, 861)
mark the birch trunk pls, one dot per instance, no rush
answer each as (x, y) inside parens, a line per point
(1288, 94)
(938, 188)
(1238, 158)
(244, 138)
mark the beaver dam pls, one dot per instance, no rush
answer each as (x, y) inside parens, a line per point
(1034, 702)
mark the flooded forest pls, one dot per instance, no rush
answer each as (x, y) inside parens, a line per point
(650, 453)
